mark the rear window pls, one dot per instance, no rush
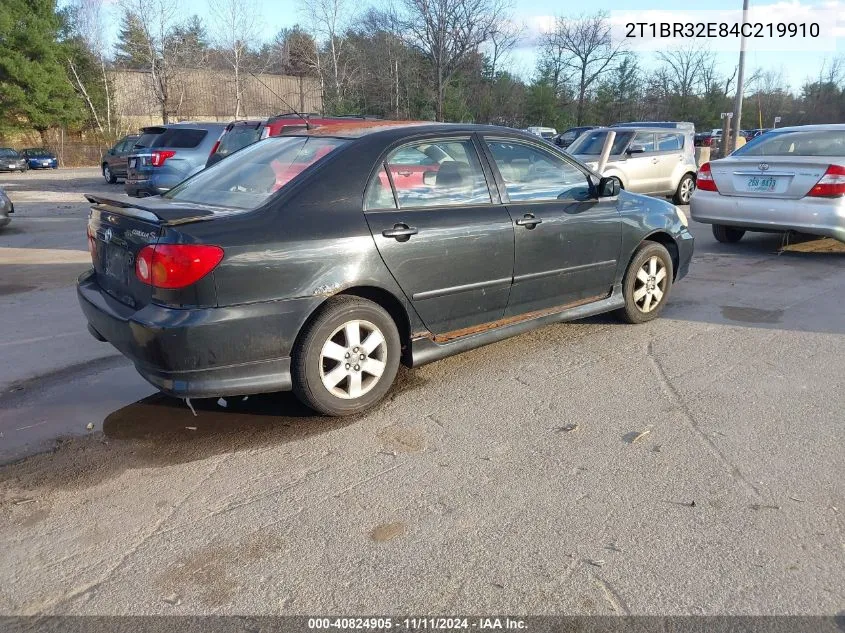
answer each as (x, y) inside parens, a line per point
(4, 151)
(237, 138)
(146, 139)
(249, 178)
(811, 143)
(178, 137)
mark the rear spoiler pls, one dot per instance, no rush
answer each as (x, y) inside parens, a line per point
(155, 209)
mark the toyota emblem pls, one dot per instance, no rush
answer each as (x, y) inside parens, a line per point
(764, 166)
(107, 235)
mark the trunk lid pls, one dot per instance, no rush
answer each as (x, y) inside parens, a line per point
(119, 227)
(768, 176)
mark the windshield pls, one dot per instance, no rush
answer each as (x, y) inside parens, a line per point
(8, 153)
(250, 177)
(786, 143)
(592, 143)
(38, 153)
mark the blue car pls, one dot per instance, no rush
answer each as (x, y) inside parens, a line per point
(40, 158)
(165, 155)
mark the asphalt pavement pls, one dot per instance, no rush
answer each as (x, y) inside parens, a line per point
(691, 465)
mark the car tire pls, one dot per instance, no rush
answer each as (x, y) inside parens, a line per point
(647, 283)
(323, 379)
(685, 190)
(727, 234)
(108, 175)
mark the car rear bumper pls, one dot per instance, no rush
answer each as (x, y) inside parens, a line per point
(816, 216)
(4, 220)
(142, 188)
(200, 352)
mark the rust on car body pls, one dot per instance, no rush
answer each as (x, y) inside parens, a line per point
(477, 329)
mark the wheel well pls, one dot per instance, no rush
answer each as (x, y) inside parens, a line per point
(666, 240)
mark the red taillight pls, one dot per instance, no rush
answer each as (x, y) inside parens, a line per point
(704, 180)
(158, 157)
(831, 185)
(173, 266)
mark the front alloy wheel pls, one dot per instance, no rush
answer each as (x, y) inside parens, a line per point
(647, 283)
(346, 357)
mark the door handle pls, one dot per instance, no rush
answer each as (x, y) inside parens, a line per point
(400, 232)
(528, 221)
(403, 173)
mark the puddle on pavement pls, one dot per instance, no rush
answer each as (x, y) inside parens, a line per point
(751, 315)
(387, 531)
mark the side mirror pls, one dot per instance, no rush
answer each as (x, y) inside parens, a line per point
(635, 149)
(429, 178)
(608, 188)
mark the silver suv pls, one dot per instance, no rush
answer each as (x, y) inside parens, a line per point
(651, 160)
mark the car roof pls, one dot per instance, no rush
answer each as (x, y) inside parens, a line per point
(394, 130)
(643, 128)
(819, 127)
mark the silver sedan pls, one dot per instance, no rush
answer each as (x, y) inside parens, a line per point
(789, 179)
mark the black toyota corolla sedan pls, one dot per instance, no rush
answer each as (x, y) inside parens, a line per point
(320, 261)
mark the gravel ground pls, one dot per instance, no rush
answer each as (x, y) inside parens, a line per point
(692, 465)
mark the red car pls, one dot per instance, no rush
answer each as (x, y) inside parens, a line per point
(239, 134)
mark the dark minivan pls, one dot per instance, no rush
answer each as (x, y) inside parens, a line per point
(165, 155)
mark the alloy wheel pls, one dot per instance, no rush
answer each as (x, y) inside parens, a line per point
(650, 285)
(687, 187)
(353, 359)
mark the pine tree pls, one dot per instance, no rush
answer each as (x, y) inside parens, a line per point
(133, 46)
(34, 88)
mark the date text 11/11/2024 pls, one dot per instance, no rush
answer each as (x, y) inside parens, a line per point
(419, 623)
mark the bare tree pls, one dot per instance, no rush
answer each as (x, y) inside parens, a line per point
(328, 20)
(503, 38)
(236, 25)
(89, 25)
(687, 71)
(162, 49)
(587, 48)
(447, 31)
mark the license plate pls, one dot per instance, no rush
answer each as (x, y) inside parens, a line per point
(761, 184)
(114, 264)
(46, 163)
(13, 166)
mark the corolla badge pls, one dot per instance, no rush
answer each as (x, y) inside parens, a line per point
(107, 235)
(763, 166)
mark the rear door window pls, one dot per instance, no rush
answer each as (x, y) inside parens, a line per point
(644, 140)
(184, 138)
(432, 173)
(669, 142)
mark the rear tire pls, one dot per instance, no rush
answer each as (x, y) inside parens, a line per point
(647, 283)
(727, 234)
(685, 190)
(328, 372)
(108, 175)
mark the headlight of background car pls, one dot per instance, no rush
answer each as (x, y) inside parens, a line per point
(682, 216)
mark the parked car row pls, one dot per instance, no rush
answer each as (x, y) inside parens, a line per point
(162, 156)
(30, 158)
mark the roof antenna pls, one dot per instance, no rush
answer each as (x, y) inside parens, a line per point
(284, 102)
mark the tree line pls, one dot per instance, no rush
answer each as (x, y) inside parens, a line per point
(448, 60)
